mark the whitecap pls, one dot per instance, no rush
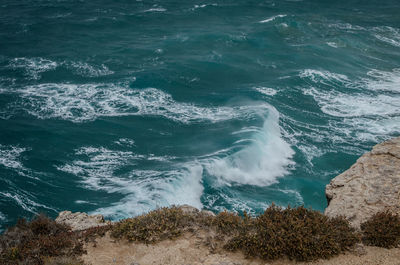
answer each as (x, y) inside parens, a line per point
(87, 70)
(155, 9)
(383, 80)
(260, 163)
(125, 142)
(203, 6)
(322, 76)
(10, 156)
(33, 67)
(332, 44)
(271, 18)
(266, 91)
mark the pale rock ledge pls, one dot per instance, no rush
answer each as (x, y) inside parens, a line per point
(371, 185)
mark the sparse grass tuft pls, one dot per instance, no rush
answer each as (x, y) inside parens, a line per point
(382, 230)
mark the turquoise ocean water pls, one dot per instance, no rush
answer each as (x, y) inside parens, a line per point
(120, 107)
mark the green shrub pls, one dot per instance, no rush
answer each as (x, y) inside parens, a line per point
(31, 242)
(298, 233)
(164, 223)
(382, 230)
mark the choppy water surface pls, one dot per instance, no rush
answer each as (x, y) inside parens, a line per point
(119, 107)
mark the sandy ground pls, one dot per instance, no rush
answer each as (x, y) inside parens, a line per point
(192, 249)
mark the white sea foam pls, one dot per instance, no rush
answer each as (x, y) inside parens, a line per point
(155, 9)
(346, 26)
(144, 190)
(382, 80)
(272, 18)
(261, 163)
(33, 67)
(324, 77)
(10, 156)
(332, 44)
(387, 34)
(366, 114)
(125, 142)
(203, 6)
(22, 199)
(87, 70)
(341, 104)
(266, 91)
(84, 202)
(86, 102)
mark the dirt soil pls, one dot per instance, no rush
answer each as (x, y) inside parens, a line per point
(196, 249)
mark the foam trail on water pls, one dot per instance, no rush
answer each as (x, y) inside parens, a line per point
(33, 67)
(87, 102)
(144, 190)
(369, 108)
(159, 189)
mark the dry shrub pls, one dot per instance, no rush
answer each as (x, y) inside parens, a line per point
(227, 223)
(90, 234)
(382, 230)
(164, 223)
(31, 242)
(298, 233)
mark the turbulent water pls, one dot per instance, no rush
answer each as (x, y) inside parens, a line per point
(120, 107)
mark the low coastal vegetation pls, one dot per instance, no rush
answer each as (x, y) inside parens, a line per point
(40, 241)
(382, 230)
(296, 233)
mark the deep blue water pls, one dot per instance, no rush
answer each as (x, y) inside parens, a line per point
(119, 107)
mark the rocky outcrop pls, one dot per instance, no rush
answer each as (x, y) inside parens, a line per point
(80, 221)
(371, 185)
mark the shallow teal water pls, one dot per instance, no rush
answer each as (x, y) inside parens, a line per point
(122, 107)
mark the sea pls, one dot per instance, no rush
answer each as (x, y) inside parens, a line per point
(121, 107)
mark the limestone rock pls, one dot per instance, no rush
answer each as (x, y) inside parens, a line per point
(207, 213)
(188, 209)
(371, 185)
(80, 221)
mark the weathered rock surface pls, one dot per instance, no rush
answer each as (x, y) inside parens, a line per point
(371, 185)
(80, 221)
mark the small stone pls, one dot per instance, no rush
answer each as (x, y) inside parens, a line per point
(359, 249)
